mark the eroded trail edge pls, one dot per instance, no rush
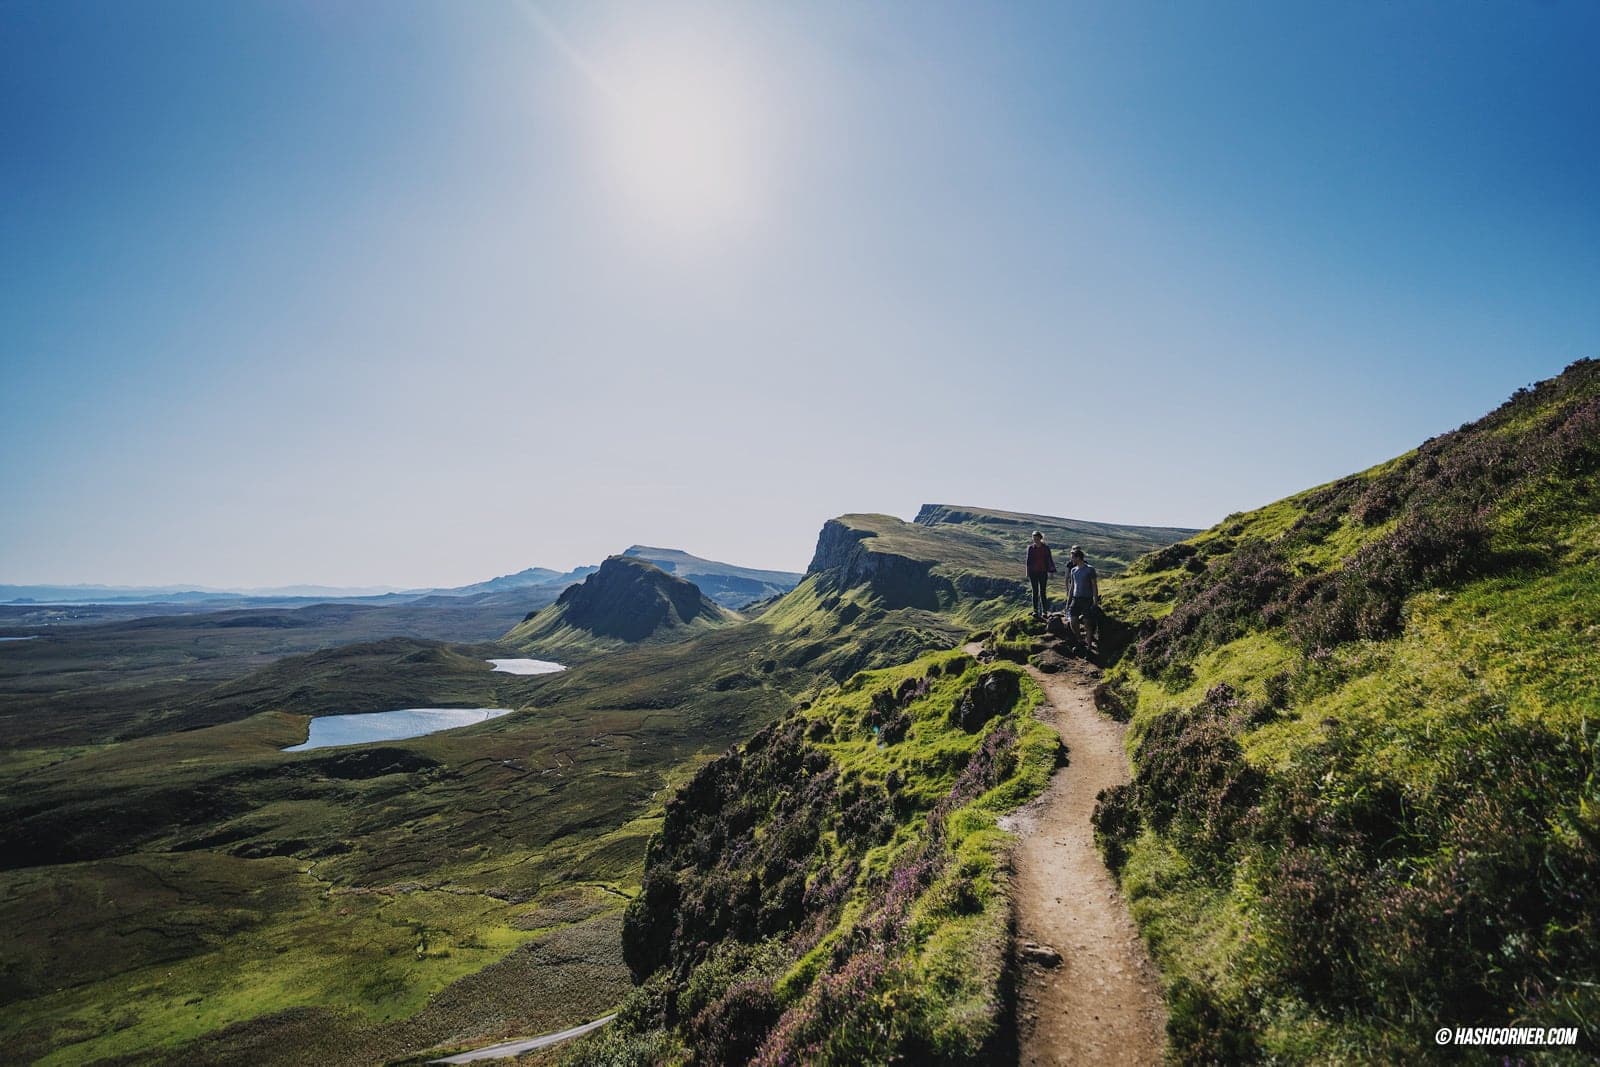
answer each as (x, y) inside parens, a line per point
(1102, 1003)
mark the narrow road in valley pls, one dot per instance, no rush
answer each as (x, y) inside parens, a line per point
(527, 1044)
(1101, 1003)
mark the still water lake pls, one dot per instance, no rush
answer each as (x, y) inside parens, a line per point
(526, 666)
(330, 730)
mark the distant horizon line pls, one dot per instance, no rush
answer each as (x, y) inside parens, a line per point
(343, 591)
(290, 589)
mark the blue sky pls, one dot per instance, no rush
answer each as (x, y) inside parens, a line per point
(420, 293)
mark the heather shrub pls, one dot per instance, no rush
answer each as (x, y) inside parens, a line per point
(865, 814)
(1459, 901)
(1115, 699)
(1203, 1029)
(1482, 465)
(730, 1030)
(1116, 823)
(648, 923)
(745, 885)
(1275, 690)
(1365, 599)
(994, 693)
(617, 1046)
(1163, 559)
(728, 1002)
(1225, 602)
(1191, 778)
(864, 1007)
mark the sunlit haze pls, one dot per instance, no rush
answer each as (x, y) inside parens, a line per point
(416, 294)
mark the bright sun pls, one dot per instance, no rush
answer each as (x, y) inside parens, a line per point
(681, 137)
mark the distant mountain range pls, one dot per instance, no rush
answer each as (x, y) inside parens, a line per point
(729, 585)
(178, 594)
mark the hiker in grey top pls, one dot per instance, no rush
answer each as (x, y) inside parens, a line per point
(1083, 587)
(1083, 598)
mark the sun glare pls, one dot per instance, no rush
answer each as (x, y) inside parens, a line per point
(681, 139)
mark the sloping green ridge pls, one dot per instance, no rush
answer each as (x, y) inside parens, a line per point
(880, 591)
(1366, 800)
(1111, 546)
(836, 891)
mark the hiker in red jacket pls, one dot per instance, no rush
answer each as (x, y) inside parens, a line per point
(1040, 568)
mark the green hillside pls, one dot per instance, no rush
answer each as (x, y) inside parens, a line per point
(1111, 546)
(894, 589)
(837, 890)
(205, 897)
(1367, 796)
(626, 601)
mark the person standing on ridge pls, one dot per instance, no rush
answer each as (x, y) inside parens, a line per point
(1040, 568)
(1083, 595)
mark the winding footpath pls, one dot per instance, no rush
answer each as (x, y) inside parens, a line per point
(527, 1044)
(1102, 1002)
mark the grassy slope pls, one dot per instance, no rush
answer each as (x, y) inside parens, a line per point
(837, 890)
(1367, 797)
(342, 901)
(552, 802)
(895, 589)
(953, 549)
(1110, 546)
(293, 882)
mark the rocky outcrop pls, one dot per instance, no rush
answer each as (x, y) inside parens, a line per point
(630, 600)
(844, 560)
(984, 587)
(994, 694)
(838, 547)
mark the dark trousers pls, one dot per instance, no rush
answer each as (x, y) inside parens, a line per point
(1041, 593)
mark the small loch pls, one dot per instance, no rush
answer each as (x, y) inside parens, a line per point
(527, 666)
(329, 731)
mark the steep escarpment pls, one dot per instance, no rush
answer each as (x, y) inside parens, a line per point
(880, 590)
(836, 890)
(845, 559)
(626, 601)
(1366, 798)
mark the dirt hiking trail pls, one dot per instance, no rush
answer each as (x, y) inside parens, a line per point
(1101, 1003)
